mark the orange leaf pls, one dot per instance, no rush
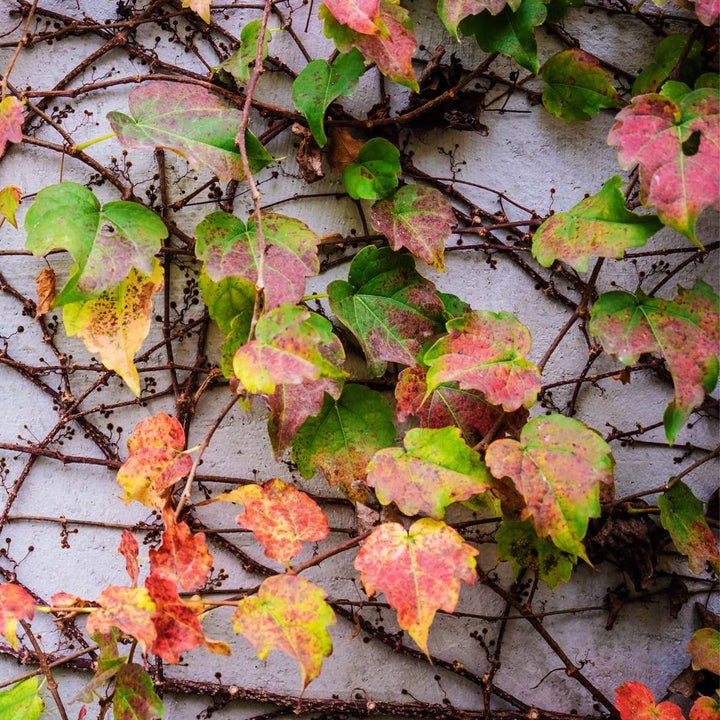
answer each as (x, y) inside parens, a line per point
(130, 610)
(45, 282)
(15, 604)
(129, 550)
(635, 702)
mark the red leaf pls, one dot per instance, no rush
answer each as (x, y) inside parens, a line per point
(635, 702)
(15, 604)
(11, 121)
(129, 550)
(182, 558)
(707, 12)
(359, 15)
(705, 708)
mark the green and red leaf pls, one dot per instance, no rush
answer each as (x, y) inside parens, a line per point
(418, 570)
(15, 604)
(134, 697)
(11, 122)
(704, 650)
(452, 12)
(288, 614)
(705, 708)
(363, 16)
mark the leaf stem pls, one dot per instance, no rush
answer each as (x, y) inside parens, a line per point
(100, 139)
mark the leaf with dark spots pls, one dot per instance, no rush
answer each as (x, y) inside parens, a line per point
(134, 697)
(388, 306)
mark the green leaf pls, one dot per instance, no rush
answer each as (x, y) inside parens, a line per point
(667, 54)
(681, 514)
(227, 299)
(374, 175)
(510, 32)
(598, 226)
(557, 9)
(391, 309)
(558, 467)
(135, 697)
(577, 87)
(392, 51)
(22, 701)
(105, 242)
(437, 468)
(191, 121)
(452, 12)
(108, 665)
(518, 542)
(291, 346)
(684, 331)
(240, 62)
(419, 219)
(229, 248)
(708, 80)
(320, 83)
(343, 437)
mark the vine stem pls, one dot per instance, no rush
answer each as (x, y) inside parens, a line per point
(18, 49)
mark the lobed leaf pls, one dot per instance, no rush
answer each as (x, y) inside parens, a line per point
(155, 460)
(182, 558)
(229, 248)
(652, 132)
(704, 650)
(288, 614)
(291, 346)
(391, 309)
(240, 63)
(558, 466)
(684, 331)
(417, 218)
(374, 174)
(486, 351)
(134, 697)
(105, 242)
(598, 226)
(667, 55)
(280, 516)
(705, 708)
(343, 437)
(437, 468)
(116, 323)
(392, 51)
(191, 121)
(635, 702)
(363, 16)
(577, 87)
(419, 571)
(22, 701)
(452, 12)
(15, 604)
(11, 122)
(10, 197)
(319, 84)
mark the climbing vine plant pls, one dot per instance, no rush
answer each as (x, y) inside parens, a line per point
(472, 420)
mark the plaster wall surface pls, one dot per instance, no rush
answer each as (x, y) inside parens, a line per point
(526, 153)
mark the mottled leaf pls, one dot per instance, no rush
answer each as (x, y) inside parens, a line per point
(683, 331)
(22, 701)
(10, 197)
(680, 182)
(229, 248)
(558, 466)
(363, 16)
(242, 61)
(704, 650)
(667, 55)
(182, 557)
(510, 32)
(446, 405)
(598, 226)
(486, 351)
(419, 571)
(116, 323)
(15, 604)
(636, 702)
(417, 218)
(291, 405)
(134, 697)
(392, 51)
(343, 437)
(130, 610)
(320, 83)
(155, 460)
(280, 516)
(129, 550)
(191, 121)
(681, 514)
(11, 122)
(108, 665)
(705, 708)
(577, 87)
(292, 345)
(288, 614)
(437, 468)
(518, 542)
(105, 242)
(391, 309)
(452, 12)
(374, 174)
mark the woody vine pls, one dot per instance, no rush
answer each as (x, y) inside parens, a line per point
(404, 398)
